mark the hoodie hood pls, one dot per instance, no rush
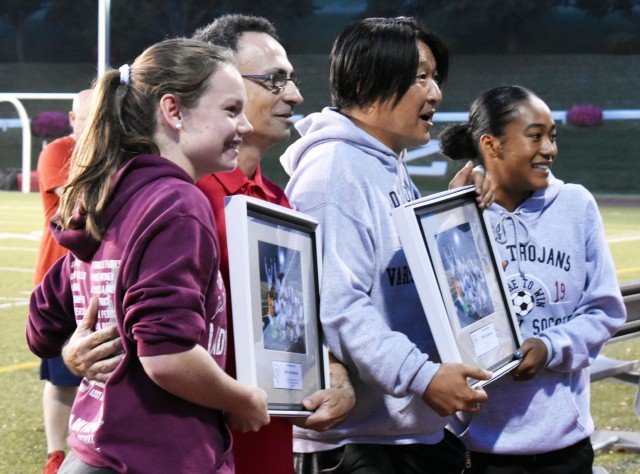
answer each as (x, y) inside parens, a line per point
(331, 125)
(132, 177)
(372, 318)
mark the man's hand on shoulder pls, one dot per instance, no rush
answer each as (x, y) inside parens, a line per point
(476, 176)
(93, 354)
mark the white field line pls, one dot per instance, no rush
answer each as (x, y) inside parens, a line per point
(628, 238)
(14, 304)
(17, 270)
(19, 249)
(33, 236)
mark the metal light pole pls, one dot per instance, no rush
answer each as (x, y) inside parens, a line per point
(104, 15)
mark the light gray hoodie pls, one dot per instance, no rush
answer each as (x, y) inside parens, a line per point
(563, 283)
(370, 309)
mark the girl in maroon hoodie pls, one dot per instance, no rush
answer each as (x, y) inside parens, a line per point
(143, 248)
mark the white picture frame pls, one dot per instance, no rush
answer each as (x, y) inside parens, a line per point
(458, 273)
(274, 271)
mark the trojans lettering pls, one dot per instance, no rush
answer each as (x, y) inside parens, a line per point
(549, 256)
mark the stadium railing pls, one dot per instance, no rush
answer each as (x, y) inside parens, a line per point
(623, 371)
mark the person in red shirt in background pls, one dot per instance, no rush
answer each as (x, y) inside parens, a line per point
(60, 384)
(272, 95)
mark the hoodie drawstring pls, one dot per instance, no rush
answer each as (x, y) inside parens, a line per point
(404, 186)
(501, 233)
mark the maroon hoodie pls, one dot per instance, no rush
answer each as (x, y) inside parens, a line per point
(156, 274)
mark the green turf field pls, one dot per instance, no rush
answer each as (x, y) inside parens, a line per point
(22, 445)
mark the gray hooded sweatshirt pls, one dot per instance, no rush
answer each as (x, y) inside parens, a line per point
(563, 284)
(370, 310)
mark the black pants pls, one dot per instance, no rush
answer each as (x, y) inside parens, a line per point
(446, 457)
(575, 459)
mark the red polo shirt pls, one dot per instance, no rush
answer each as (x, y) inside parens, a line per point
(53, 171)
(271, 448)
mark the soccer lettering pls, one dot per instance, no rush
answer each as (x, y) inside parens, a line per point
(541, 324)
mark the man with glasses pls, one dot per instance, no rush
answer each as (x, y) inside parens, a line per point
(274, 82)
(272, 92)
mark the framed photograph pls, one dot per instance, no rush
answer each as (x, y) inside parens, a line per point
(274, 270)
(457, 269)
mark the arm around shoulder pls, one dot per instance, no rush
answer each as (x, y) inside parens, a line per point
(93, 354)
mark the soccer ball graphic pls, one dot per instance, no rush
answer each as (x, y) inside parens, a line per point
(522, 302)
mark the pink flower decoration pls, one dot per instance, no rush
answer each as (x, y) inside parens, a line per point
(50, 124)
(585, 115)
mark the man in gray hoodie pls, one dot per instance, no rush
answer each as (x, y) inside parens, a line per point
(347, 171)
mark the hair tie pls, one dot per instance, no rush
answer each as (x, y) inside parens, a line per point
(125, 72)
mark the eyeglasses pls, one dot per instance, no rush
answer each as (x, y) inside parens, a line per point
(274, 82)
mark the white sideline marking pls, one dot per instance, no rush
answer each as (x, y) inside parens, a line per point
(19, 270)
(623, 239)
(14, 304)
(14, 235)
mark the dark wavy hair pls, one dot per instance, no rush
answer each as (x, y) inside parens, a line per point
(376, 59)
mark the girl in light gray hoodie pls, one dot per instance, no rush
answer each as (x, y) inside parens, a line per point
(562, 282)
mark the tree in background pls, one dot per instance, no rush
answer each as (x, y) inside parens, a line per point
(389, 8)
(477, 25)
(508, 16)
(135, 24)
(183, 17)
(16, 12)
(273, 10)
(601, 8)
(505, 17)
